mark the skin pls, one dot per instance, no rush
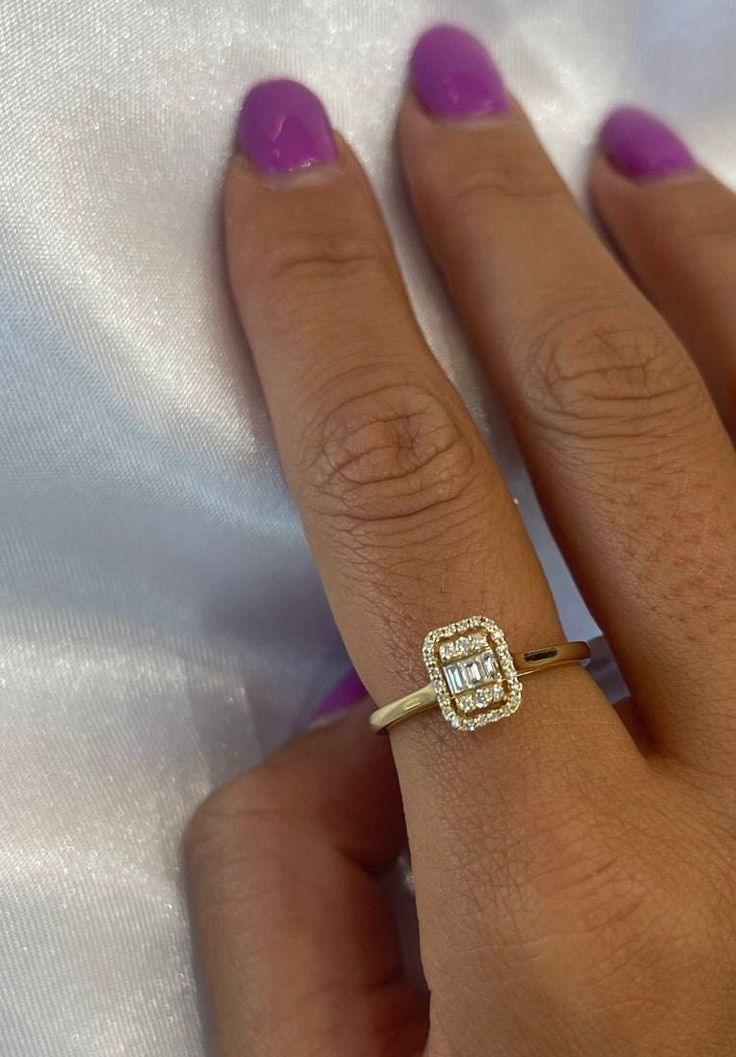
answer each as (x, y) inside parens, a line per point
(574, 871)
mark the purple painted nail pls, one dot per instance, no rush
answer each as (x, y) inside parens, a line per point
(346, 693)
(454, 76)
(642, 146)
(283, 127)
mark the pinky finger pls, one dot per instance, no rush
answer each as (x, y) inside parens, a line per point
(675, 225)
(299, 946)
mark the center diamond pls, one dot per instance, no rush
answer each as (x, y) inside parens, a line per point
(471, 672)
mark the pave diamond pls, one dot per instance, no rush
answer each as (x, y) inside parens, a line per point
(472, 672)
(463, 646)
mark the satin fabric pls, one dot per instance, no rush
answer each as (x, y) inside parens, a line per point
(162, 624)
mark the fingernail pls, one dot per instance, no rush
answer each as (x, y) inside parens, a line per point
(454, 76)
(346, 693)
(642, 146)
(284, 127)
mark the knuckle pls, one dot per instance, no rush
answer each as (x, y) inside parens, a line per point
(634, 910)
(474, 183)
(578, 856)
(476, 192)
(384, 455)
(598, 371)
(648, 926)
(323, 257)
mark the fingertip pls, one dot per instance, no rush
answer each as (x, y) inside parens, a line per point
(284, 127)
(643, 148)
(425, 140)
(413, 111)
(454, 74)
(614, 194)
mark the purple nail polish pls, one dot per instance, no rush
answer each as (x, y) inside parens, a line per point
(454, 76)
(283, 126)
(346, 693)
(642, 146)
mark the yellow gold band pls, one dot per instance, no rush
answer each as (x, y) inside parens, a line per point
(524, 664)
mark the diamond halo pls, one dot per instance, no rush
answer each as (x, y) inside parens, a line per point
(472, 671)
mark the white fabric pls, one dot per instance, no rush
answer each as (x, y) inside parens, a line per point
(162, 623)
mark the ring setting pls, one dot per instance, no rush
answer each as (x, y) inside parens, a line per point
(475, 679)
(473, 673)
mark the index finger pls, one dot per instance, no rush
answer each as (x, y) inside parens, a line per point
(408, 517)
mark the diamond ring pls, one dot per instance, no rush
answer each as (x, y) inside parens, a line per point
(474, 678)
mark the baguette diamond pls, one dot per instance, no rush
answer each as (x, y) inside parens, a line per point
(472, 671)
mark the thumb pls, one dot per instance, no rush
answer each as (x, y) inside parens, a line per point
(298, 941)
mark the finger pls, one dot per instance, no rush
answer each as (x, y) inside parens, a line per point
(407, 515)
(675, 226)
(622, 439)
(299, 946)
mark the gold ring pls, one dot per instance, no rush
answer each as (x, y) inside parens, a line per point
(474, 677)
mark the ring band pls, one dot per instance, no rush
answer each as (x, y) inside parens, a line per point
(474, 678)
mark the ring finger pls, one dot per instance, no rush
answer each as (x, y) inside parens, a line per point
(407, 515)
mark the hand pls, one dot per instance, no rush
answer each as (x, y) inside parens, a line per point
(574, 872)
